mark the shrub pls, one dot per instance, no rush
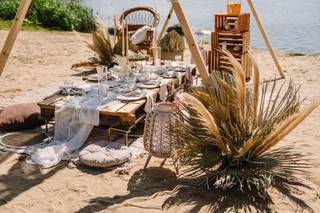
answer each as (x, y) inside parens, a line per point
(8, 9)
(54, 14)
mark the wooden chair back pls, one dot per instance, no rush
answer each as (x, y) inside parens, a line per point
(138, 17)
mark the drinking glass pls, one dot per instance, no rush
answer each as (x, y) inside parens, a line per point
(131, 82)
(101, 71)
(102, 88)
(68, 84)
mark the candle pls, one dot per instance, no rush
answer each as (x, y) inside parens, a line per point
(114, 28)
(127, 42)
(122, 35)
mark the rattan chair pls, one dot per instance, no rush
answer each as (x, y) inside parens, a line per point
(137, 17)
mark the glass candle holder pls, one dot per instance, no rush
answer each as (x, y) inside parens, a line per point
(234, 7)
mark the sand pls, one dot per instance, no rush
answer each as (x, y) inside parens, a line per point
(43, 59)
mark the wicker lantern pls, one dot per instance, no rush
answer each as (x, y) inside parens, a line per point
(159, 138)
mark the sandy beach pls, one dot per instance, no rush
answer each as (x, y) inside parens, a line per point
(44, 59)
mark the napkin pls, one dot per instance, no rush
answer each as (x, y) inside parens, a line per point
(163, 91)
(149, 104)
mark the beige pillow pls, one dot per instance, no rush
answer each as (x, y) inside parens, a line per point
(102, 155)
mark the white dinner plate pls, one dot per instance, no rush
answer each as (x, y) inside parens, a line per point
(132, 98)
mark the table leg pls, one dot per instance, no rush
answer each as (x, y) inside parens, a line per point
(163, 162)
(147, 162)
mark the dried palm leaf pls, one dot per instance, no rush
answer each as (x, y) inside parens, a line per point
(226, 130)
(101, 45)
(206, 118)
(255, 93)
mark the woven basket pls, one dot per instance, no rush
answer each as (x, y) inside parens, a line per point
(171, 55)
(159, 138)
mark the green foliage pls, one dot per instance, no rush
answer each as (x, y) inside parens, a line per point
(54, 14)
(8, 9)
(26, 26)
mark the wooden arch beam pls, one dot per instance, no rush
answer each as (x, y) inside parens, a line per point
(195, 51)
(265, 38)
(12, 36)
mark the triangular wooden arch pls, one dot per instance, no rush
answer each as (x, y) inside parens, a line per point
(12, 36)
(176, 7)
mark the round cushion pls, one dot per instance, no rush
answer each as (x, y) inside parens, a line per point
(104, 155)
(20, 117)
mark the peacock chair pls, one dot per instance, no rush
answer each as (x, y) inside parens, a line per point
(138, 17)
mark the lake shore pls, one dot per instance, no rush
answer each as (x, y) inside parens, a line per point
(44, 59)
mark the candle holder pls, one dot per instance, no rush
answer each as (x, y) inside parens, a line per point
(234, 7)
(159, 138)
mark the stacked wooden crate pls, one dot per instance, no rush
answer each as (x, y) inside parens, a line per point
(232, 32)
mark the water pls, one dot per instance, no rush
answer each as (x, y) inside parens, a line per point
(292, 25)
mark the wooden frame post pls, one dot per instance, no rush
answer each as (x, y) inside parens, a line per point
(191, 41)
(12, 36)
(165, 25)
(265, 37)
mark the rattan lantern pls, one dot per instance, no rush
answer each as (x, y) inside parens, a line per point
(159, 138)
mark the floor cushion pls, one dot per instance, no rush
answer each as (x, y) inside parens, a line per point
(20, 117)
(104, 155)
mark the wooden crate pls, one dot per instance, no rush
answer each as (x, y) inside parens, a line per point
(232, 23)
(218, 62)
(236, 43)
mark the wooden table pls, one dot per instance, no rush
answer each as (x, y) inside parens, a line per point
(126, 113)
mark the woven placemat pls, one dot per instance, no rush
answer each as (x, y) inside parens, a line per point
(23, 139)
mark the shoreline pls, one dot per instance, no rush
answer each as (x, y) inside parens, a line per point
(36, 29)
(45, 59)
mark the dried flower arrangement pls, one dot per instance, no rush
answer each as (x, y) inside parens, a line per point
(102, 46)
